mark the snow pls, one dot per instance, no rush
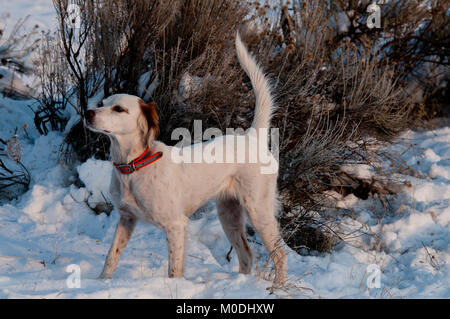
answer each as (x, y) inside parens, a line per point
(96, 176)
(362, 171)
(34, 17)
(53, 226)
(37, 12)
(14, 82)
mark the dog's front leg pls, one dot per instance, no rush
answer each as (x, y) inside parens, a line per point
(123, 233)
(176, 235)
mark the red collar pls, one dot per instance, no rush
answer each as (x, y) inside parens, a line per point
(145, 159)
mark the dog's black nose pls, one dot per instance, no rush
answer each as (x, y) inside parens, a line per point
(90, 114)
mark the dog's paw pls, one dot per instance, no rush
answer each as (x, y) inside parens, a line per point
(105, 276)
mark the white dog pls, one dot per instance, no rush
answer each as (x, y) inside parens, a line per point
(151, 187)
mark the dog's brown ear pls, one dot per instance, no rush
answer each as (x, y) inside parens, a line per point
(150, 114)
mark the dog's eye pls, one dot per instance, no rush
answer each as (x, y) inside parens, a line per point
(118, 109)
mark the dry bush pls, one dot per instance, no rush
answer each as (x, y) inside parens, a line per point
(55, 88)
(199, 44)
(412, 39)
(123, 38)
(15, 48)
(14, 176)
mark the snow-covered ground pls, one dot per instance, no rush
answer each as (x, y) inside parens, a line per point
(36, 12)
(52, 226)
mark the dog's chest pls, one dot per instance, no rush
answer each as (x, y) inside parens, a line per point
(138, 196)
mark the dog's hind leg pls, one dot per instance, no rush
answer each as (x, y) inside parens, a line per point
(231, 216)
(123, 233)
(260, 209)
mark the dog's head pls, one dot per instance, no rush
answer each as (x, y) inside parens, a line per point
(123, 114)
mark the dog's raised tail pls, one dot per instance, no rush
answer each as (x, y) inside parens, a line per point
(264, 102)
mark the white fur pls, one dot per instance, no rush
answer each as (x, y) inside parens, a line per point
(264, 101)
(165, 193)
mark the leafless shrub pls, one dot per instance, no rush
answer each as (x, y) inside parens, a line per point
(55, 87)
(368, 92)
(199, 42)
(15, 48)
(78, 48)
(413, 35)
(14, 176)
(124, 34)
